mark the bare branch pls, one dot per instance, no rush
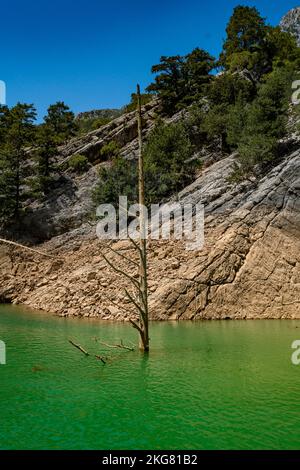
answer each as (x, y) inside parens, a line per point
(135, 303)
(120, 271)
(78, 347)
(123, 256)
(115, 303)
(136, 326)
(100, 358)
(135, 244)
(115, 346)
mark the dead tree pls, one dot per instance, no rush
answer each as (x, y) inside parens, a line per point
(144, 312)
(139, 298)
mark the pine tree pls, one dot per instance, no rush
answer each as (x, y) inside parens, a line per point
(181, 80)
(46, 149)
(236, 121)
(215, 125)
(281, 48)
(19, 133)
(265, 122)
(197, 68)
(4, 113)
(246, 31)
(168, 82)
(61, 121)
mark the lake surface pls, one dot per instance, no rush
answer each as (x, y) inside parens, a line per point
(206, 385)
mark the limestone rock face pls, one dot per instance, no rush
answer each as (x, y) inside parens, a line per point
(291, 23)
(70, 204)
(249, 266)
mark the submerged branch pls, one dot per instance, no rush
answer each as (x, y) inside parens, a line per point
(79, 347)
(115, 346)
(100, 358)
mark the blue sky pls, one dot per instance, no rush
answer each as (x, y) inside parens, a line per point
(92, 53)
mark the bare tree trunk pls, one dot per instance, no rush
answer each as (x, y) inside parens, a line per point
(144, 313)
(139, 299)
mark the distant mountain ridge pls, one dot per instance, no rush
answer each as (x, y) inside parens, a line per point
(291, 23)
(100, 113)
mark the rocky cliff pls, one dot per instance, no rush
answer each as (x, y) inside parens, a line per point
(70, 203)
(291, 23)
(248, 268)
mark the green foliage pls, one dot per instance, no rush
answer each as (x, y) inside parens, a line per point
(99, 122)
(215, 124)
(196, 75)
(88, 125)
(92, 120)
(168, 166)
(227, 88)
(17, 131)
(168, 82)
(246, 31)
(168, 161)
(110, 150)
(118, 179)
(193, 123)
(236, 122)
(132, 106)
(4, 123)
(265, 122)
(249, 119)
(180, 80)
(61, 121)
(255, 46)
(78, 163)
(281, 48)
(256, 149)
(240, 61)
(46, 150)
(268, 113)
(228, 95)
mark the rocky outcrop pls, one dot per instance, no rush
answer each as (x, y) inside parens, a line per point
(291, 23)
(107, 113)
(69, 204)
(122, 130)
(248, 268)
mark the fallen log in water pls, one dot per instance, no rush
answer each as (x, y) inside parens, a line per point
(100, 358)
(79, 347)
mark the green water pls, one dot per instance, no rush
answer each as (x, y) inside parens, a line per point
(207, 385)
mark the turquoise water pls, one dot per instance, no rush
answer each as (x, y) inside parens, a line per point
(206, 385)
